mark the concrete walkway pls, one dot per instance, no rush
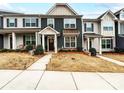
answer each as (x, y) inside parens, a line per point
(41, 63)
(50, 80)
(111, 60)
(36, 78)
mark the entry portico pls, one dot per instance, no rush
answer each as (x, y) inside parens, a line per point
(50, 35)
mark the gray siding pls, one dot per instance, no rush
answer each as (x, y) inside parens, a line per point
(79, 28)
(59, 27)
(1, 41)
(43, 23)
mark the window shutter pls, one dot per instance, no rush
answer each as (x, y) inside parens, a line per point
(36, 22)
(92, 27)
(85, 27)
(111, 43)
(15, 22)
(24, 40)
(7, 22)
(23, 22)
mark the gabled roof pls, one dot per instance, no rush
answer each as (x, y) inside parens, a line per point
(118, 11)
(48, 27)
(104, 14)
(62, 4)
(8, 12)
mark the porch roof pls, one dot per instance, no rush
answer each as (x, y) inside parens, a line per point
(92, 35)
(19, 30)
(48, 31)
(71, 32)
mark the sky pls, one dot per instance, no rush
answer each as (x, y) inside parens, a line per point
(88, 10)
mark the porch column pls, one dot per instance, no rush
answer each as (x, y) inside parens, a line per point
(100, 46)
(55, 43)
(118, 27)
(43, 42)
(36, 37)
(88, 43)
(13, 40)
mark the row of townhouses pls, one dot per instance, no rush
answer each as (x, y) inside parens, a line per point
(62, 28)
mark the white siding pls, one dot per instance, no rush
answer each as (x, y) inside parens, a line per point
(6, 43)
(107, 20)
(19, 22)
(19, 40)
(61, 10)
(96, 28)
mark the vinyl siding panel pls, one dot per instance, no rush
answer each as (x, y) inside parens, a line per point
(59, 27)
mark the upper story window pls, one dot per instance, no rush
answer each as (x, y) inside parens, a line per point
(69, 23)
(122, 15)
(50, 22)
(30, 22)
(108, 28)
(88, 27)
(11, 22)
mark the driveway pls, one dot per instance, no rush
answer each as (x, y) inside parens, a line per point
(50, 80)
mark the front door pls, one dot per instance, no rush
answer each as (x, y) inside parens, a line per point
(10, 41)
(51, 44)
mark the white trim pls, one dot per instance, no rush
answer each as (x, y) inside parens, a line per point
(48, 27)
(109, 11)
(69, 24)
(119, 27)
(54, 7)
(70, 42)
(53, 22)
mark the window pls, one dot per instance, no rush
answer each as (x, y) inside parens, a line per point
(106, 43)
(29, 39)
(31, 22)
(122, 15)
(69, 23)
(50, 22)
(108, 28)
(70, 41)
(11, 22)
(88, 27)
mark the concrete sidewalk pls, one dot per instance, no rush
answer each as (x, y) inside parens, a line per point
(51, 80)
(111, 60)
(41, 63)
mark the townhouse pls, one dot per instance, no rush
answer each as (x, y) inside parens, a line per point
(62, 28)
(59, 28)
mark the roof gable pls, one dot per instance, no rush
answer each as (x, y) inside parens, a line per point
(106, 13)
(48, 30)
(118, 12)
(61, 9)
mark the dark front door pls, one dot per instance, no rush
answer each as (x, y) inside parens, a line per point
(10, 41)
(51, 44)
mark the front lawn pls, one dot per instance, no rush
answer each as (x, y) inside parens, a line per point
(15, 60)
(116, 56)
(78, 61)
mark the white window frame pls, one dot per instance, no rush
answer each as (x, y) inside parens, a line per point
(106, 44)
(91, 27)
(30, 18)
(70, 42)
(30, 38)
(52, 22)
(11, 22)
(69, 21)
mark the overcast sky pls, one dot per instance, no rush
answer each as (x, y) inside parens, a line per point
(89, 10)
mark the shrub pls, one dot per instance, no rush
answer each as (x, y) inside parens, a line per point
(92, 51)
(38, 50)
(118, 50)
(3, 50)
(29, 47)
(79, 49)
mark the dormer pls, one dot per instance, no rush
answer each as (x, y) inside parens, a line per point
(61, 9)
(120, 14)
